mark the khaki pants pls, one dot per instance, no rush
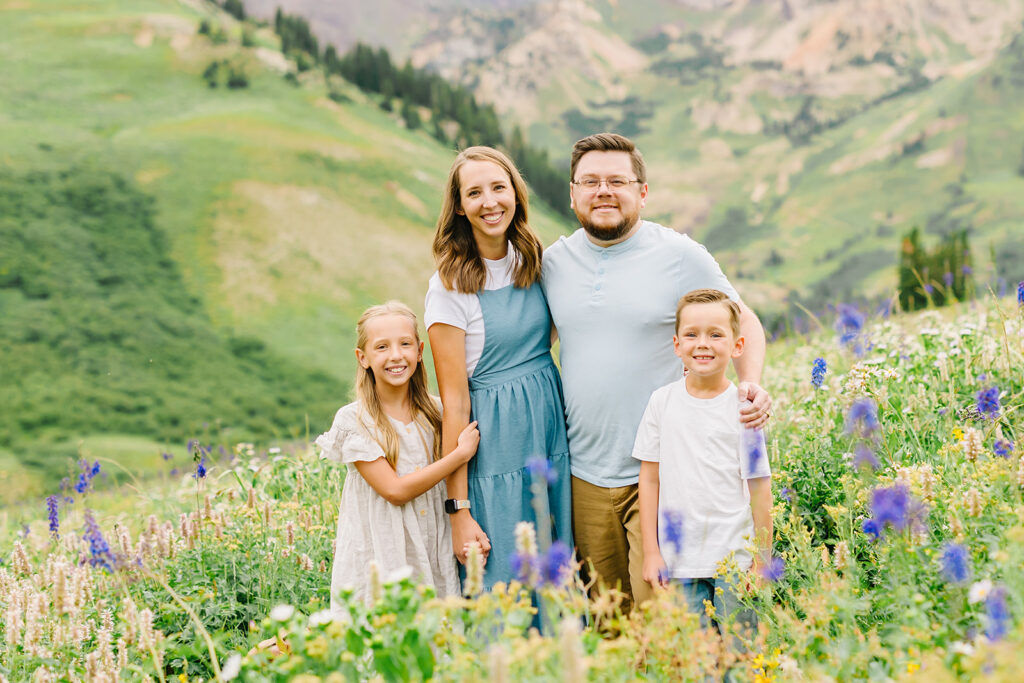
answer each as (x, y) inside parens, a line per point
(606, 527)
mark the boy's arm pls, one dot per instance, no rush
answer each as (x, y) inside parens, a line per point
(761, 510)
(654, 564)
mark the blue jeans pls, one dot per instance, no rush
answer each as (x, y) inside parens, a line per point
(728, 608)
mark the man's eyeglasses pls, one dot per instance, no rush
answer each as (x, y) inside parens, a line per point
(616, 183)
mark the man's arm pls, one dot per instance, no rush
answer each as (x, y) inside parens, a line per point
(748, 370)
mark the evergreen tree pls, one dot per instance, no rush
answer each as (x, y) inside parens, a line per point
(411, 115)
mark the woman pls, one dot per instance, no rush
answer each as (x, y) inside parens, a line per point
(490, 333)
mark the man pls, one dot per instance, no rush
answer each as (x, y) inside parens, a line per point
(612, 288)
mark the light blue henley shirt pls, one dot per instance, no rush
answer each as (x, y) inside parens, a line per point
(614, 308)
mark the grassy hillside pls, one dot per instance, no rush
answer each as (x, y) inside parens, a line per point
(183, 254)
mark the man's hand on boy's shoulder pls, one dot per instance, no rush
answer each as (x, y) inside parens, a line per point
(755, 414)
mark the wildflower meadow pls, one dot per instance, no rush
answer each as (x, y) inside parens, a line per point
(896, 447)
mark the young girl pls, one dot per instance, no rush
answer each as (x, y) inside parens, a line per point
(490, 332)
(392, 504)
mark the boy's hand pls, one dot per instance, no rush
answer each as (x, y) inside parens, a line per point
(655, 572)
(754, 415)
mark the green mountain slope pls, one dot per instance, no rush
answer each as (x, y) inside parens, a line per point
(231, 236)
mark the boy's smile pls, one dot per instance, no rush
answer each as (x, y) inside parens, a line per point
(705, 341)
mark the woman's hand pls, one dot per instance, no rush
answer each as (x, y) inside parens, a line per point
(465, 530)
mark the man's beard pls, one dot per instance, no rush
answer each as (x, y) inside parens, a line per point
(608, 234)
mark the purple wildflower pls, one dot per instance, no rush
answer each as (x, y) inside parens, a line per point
(523, 567)
(849, 324)
(818, 372)
(99, 550)
(672, 529)
(786, 494)
(1020, 293)
(988, 402)
(774, 570)
(1002, 448)
(862, 419)
(955, 563)
(929, 288)
(864, 457)
(966, 269)
(540, 469)
(947, 279)
(997, 613)
(166, 456)
(870, 527)
(555, 564)
(53, 515)
(200, 469)
(754, 446)
(891, 507)
(86, 474)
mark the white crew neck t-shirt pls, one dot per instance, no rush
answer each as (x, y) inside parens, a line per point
(705, 457)
(463, 310)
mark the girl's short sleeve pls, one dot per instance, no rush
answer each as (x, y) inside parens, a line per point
(347, 440)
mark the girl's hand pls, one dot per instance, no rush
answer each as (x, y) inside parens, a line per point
(465, 530)
(655, 572)
(469, 439)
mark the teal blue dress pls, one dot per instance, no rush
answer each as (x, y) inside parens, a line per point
(516, 396)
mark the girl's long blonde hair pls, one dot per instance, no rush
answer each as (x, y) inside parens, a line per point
(459, 263)
(424, 411)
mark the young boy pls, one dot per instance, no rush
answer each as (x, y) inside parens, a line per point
(705, 485)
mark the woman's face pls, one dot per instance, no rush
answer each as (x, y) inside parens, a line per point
(488, 200)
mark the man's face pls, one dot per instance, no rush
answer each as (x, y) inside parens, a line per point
(607, 213)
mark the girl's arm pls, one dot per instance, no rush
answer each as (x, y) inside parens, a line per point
(399, 490)
(650, 486)
(761, 510)
(448, 344)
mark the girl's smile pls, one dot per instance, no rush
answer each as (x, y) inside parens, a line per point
(392, 352)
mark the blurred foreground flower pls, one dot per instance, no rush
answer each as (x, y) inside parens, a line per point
(774, 569)
(997, 614)
(988, 402)
(955, 563)
(672, 527)
(540, 468)
(862, 418)
(979, 591)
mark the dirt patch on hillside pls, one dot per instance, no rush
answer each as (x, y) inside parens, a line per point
(736, 116)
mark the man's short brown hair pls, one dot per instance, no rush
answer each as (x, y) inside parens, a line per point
(608, 142)
(711, 296)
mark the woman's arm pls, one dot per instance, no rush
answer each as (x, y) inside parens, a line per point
(448, 344)
(650, 489)
(399, 490)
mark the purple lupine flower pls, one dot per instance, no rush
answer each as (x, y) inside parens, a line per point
(754, 445)
(955, 563)
(1002, 448)
(864, 457)
(774, 570)
(966, 269)
(849, 324)
(1020, 293)
(862, 418)
(200, 469)
(786, 494)
(818, 372)
(672, 528)
(52, 514)
(870, 527)
(891, 507)
(997, 614)
(540, 468)
(99, 550)
(929, 288)
(988, 402)
(947, 279)
(86, 474)
(555, 564)
(166, 456)
(524, 567)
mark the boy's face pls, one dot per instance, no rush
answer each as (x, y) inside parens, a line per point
(705, 340)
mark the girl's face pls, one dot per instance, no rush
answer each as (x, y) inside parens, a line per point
(488, 200)
(392, 350)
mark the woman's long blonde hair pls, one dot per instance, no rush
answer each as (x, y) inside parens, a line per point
(459, 264)
(424, 411)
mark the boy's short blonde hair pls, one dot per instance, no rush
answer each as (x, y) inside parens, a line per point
(711, 296)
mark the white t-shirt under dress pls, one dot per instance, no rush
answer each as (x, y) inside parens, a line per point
(416, 534)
